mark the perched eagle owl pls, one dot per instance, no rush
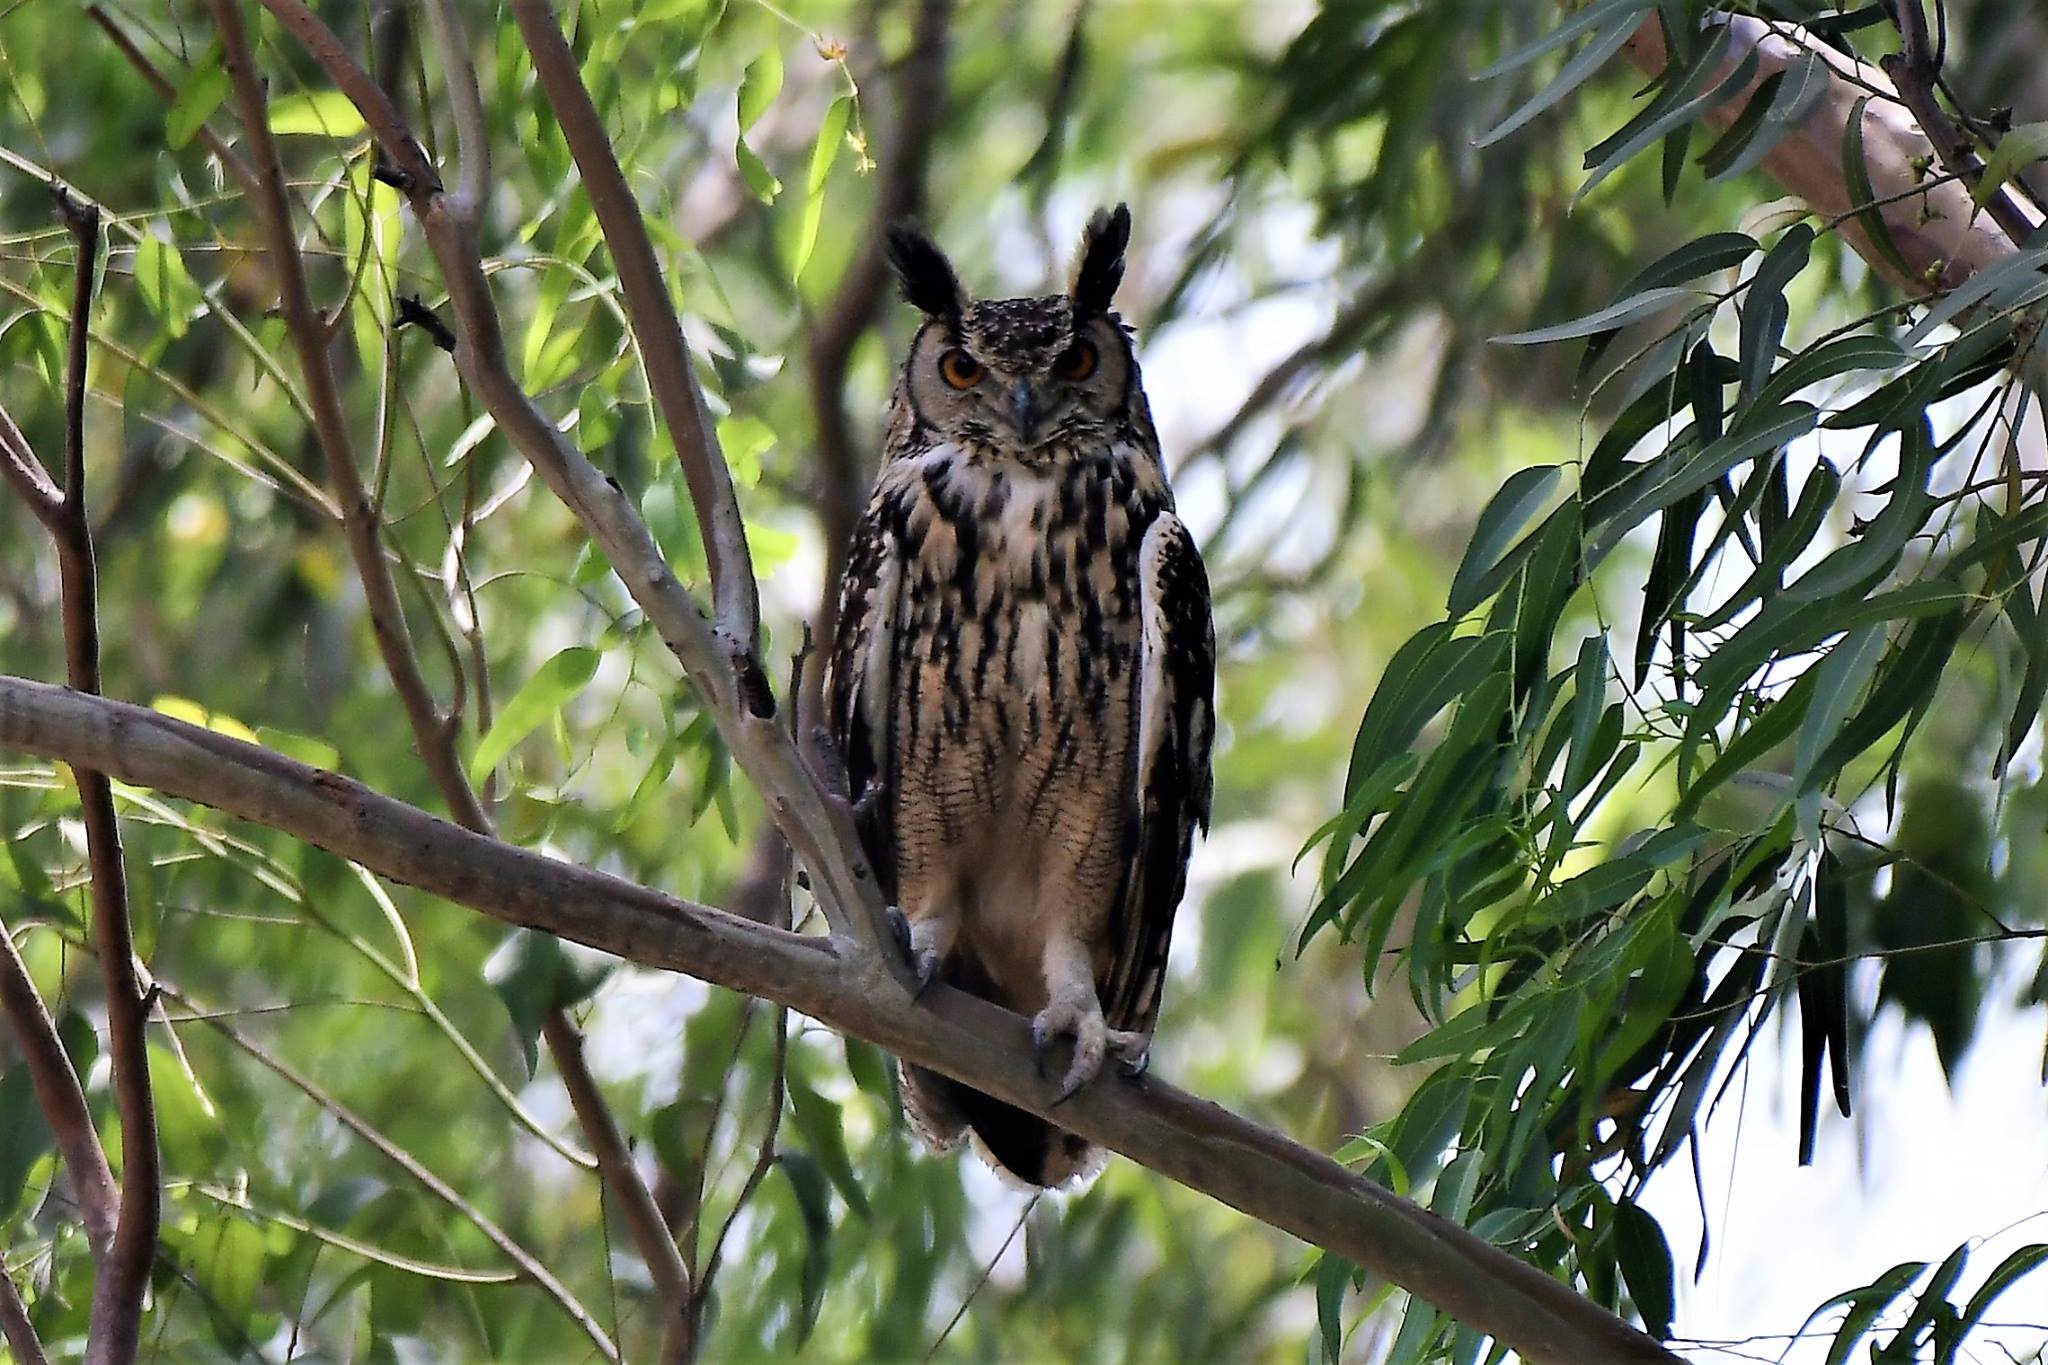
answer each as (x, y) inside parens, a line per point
(1021, 683)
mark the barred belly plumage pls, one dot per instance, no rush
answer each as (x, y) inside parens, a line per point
(1020, 682)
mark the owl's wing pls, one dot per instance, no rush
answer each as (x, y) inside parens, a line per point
(1171, 781)
(859, 682)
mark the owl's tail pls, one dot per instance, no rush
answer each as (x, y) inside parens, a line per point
(1019, 1144)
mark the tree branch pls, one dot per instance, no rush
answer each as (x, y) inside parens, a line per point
(432, 733)
(650, 1232)
(61, 1098)
(1935, 227)
(528, 1265)
(15, 1328)
(1916, 70)
(671, 379)
(308, 331)
(835, 982)
(920, 89)
(124, 1259)
(818, 827)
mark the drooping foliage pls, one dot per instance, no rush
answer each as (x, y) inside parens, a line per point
(1628, 616)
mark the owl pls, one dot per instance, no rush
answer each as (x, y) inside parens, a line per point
(1021, 682)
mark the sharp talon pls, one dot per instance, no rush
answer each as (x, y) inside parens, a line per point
(926, 967)
(899, 925)
(1133, 1067)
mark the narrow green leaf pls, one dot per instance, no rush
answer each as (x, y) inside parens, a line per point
(818, 1120)
(1686, 101)
(1764, 311)
(199, 94)
(760, 181)
(760, 85)
(807, 1182)
(1644, 1257)
(1510, 510)
(1791, 100)
(1333, 1277)
(1856, 174)
(2019, 146)
(166, 287)
(1839, 680)
(831, 134)
(1571, 28)
(2008, 1273)
(1613, 316)
(326, 112)
(1569, 77)
(545, 693)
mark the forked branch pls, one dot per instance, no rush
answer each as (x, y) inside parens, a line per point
(848, 988)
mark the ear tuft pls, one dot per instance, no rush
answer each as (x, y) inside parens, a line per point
(923, 271)
(1101, 267)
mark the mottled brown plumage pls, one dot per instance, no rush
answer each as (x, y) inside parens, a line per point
(1021, 683)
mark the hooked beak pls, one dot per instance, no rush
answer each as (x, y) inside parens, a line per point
(1024, 411)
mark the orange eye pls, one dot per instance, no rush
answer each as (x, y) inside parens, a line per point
(1076, 362)
(959, 369)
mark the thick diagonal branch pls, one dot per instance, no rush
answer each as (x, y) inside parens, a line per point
(1200, 1144)
(432, 732)
(819, 829)
(1938, 233)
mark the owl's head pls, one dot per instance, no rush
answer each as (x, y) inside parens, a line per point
(1019, 374)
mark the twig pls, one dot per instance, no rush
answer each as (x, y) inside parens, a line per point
(920, 89)
(671, 379)
(123, 1272)
(821, 832)
(167, 92)
(60, 1097)
(650, 1233)
(529, 1266)
(847, 989)
(778, 1083)
(1916, 70)
(981, 1280)
(15, 1328)
(308, 332)
(1937, 233)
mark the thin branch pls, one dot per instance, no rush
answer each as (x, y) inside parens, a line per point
(671, 378)
(123, 1272)
(650, 1233)
(980, 1281)
(529, 1266)
(919, 83)
(15, 1328)
(819, 828)
(1185, 1138)
(1937, 231)
(778, 1085)
(215, 145)
(61, 1098)
(1916, 70)
(433, 733)
(308, 332)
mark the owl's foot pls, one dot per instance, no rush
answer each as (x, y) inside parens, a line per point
(923, 949)
(1131, 1049)
(1080, 1020)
